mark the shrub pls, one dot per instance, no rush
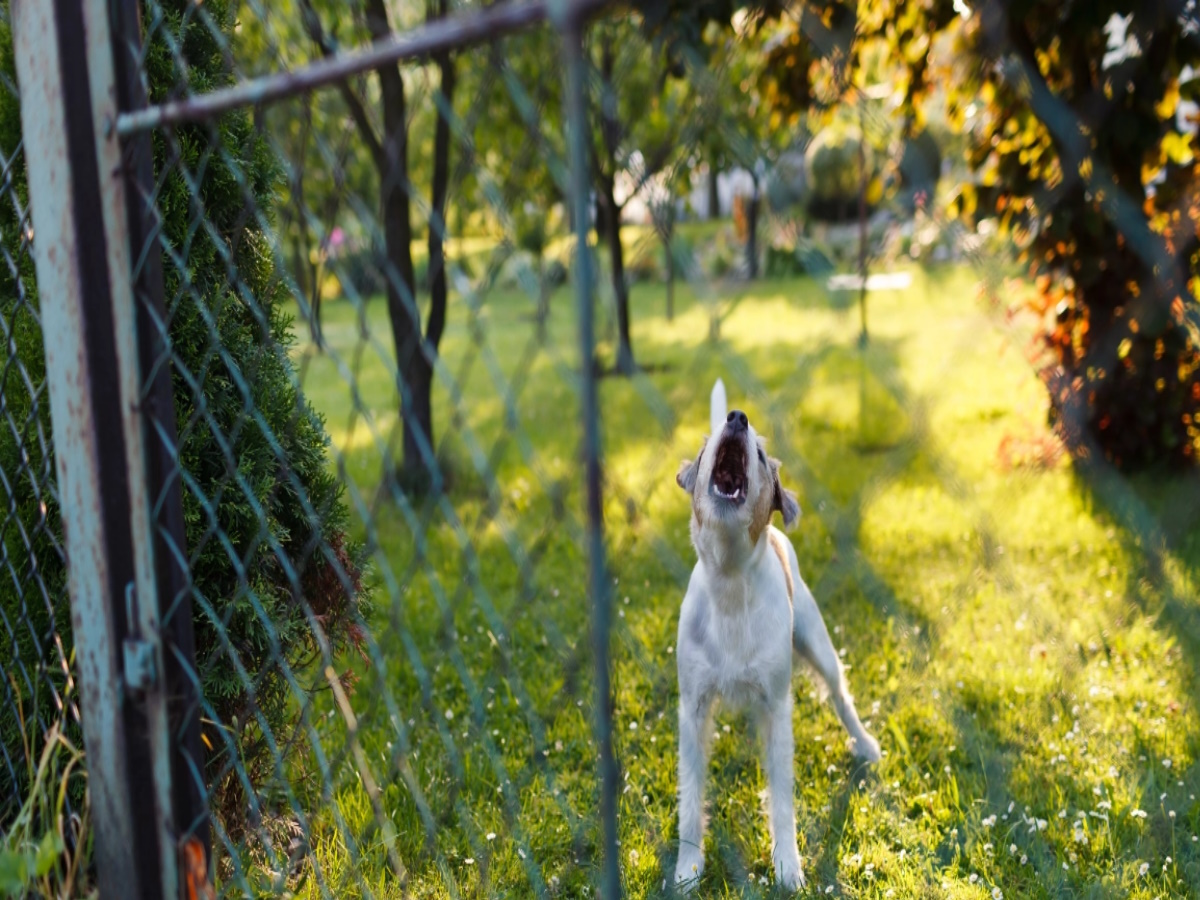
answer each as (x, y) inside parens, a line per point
(784, 262)
(243, 591)
(920, 168)
(360, 274)
(832, 173)
(556, 273)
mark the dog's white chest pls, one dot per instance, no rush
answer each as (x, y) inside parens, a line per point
(738, 648)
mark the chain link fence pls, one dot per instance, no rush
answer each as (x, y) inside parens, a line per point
(376, 620)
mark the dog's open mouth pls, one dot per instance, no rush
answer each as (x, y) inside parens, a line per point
(729, 470)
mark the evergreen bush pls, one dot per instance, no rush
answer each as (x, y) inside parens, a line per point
(257, 470)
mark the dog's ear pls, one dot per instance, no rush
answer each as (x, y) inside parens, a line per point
(784, 500)
(686, 476)
(688, 470)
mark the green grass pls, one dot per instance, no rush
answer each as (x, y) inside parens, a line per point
(1023, 642)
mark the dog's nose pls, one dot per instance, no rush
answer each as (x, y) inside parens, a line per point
(738, 420)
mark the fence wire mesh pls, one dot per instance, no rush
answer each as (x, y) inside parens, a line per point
(366, 315)
(38, 708)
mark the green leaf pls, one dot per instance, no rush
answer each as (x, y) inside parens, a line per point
(15, 868)
(48, 852)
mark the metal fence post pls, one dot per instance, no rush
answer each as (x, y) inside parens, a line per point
(65, 69)
(163, 477)
(571, 29)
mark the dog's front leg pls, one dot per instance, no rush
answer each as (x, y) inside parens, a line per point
(778, 750)
(695, 726)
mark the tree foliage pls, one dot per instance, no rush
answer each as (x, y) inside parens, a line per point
(1072, 117)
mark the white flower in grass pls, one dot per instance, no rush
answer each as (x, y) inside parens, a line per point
(1138, 813)
(1012, 849)
(997, 894)
(1024, 859)
(989, 821)
(469, 861)
(974, 878)
(1166, 763)
(449, 715)
(1143, 869)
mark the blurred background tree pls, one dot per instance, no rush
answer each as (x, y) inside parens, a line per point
(1083, 152)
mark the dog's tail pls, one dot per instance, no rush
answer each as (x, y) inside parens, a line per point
(717, 407)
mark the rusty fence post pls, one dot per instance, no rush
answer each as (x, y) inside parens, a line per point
(82, 231)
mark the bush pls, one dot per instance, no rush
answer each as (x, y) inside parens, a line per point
(237, 576)
(360, 274)
(556, 273)
(832, 173)
(920, 168)
(784, 262)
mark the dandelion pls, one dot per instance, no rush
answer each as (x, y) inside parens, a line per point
(1143, 869)
(1012, 849)
(1024, 859)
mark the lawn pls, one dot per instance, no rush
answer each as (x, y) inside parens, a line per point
(1023, 640)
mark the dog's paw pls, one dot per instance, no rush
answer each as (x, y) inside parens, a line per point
(866, 749)
(788, 873)
(689, 868)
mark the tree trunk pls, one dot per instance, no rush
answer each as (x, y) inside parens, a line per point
(714, 195)
(862, 229)
(752, 233)
(612, 234)
(543, 307)
(437, 217)
(413, 368)
(670, 281)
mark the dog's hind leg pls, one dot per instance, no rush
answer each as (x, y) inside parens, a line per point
(810, 637)
(695, 726)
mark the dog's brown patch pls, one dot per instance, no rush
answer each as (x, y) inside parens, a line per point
(776, 540)
(760, 518)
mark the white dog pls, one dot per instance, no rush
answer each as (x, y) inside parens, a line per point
(745, 610)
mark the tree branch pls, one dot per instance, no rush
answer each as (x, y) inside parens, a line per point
(312, 24)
